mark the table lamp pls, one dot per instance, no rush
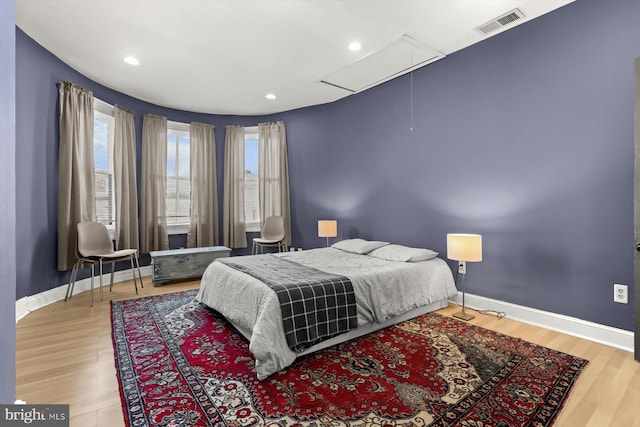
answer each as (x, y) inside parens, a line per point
(327, 228)
(464, 248)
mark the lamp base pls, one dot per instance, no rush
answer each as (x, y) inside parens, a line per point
(463, 315)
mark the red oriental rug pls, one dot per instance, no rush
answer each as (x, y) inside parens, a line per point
(181, 364)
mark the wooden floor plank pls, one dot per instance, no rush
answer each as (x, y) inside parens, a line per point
(64, 354)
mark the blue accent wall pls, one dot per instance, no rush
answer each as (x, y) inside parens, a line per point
(38, 72)
(7, 207)
(525, 138)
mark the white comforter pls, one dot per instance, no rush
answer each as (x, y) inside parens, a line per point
(383, 289)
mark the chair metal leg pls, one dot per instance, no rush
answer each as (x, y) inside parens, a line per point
(133, 272)
(100, 279)
(139, 274)
(72, 281)
(69, 292)
(113, 271)
(92, 274)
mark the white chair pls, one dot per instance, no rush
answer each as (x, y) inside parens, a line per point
(94, 247)
(272, 234)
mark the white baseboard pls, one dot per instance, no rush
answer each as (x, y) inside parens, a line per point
(614, 337)
(28, 304)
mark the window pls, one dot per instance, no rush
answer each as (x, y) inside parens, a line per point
(178, 178)
(251, 198)
(103, 131)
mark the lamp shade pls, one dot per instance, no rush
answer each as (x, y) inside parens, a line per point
(464, 247)
(327, 228)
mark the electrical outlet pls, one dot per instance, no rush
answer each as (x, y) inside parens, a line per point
(462, 267)
(620, 294)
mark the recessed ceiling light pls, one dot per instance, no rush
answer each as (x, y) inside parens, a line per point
(355, 46)
(131, 60)
(270, 96)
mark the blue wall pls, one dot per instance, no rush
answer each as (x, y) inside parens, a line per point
(7, 207)
(38, 72)
(526, 138)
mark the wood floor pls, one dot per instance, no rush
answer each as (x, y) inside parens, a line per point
(64, 354)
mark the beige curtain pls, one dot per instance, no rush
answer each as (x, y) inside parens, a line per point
(76, 186)
(124, 162)
(273, 176)
(153, 218)
(234, 227)
(204, 187)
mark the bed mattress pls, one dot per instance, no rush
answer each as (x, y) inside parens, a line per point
(384, 290)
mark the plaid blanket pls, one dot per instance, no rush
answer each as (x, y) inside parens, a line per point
(315, 305)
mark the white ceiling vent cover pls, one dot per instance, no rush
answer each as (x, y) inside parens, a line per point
(399, 57)
(501, 21)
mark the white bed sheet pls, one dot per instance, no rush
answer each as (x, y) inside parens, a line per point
(383, 290)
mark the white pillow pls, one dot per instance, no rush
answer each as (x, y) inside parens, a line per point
(358, 246)
(403, 253)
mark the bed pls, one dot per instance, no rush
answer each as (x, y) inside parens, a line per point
(387, 291)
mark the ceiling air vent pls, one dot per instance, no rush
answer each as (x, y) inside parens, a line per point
(501, 21)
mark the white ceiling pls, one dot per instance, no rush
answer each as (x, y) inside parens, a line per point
(224, 56)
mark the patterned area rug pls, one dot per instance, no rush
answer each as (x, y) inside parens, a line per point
(181, 364)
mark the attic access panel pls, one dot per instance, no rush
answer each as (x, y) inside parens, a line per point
(400, 57)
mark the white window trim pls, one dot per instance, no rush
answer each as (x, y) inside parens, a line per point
(178, 229)
(252, 226)
(103, 107)
(179, 126)
(107, 110)
(252, 132)
(184, 227)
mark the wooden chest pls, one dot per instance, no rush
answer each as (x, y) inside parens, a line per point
(179, 264)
